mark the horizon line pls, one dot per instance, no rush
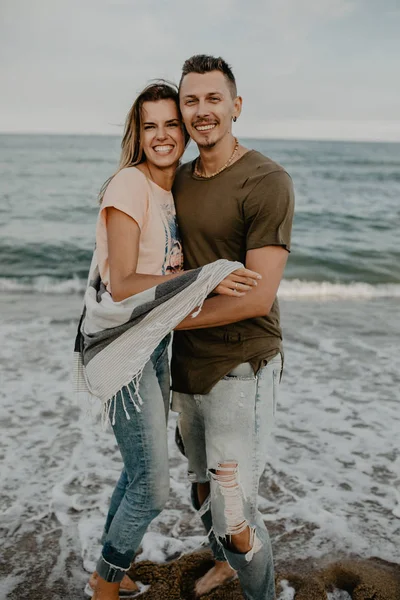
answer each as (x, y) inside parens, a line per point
(264, 138)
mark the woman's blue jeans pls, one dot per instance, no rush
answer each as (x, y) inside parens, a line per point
(143, 487)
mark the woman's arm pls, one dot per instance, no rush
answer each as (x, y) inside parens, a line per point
(123, 236)
(270, 261)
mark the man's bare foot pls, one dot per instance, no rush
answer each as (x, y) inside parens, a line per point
(219, 574)
(126, 584)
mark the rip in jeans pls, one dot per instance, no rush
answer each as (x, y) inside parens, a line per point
(227, 478)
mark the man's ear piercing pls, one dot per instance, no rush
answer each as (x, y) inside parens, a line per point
(234, 119)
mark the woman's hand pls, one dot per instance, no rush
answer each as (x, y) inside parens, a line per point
(238, 283)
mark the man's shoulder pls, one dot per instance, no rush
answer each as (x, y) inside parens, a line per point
(261, 164)
(260, 171)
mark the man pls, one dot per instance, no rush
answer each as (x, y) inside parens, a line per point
(237, 204)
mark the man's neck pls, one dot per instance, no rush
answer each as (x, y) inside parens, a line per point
(216, 157)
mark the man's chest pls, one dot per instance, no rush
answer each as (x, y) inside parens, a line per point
(207, 213)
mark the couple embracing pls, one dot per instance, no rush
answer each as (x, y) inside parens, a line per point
(149, 278)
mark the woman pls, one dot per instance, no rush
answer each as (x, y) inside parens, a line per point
(138, 248)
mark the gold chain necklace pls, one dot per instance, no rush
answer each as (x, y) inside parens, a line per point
(228, 162)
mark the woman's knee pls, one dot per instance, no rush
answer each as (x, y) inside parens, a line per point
(149, 497)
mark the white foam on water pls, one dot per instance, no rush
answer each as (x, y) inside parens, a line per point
(297, 288)
(43, 285)
(332, 481)
(8, 584)
(287, 592)
(339, 595)
(289, 289)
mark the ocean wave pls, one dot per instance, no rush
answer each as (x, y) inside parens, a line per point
(298, 288)
(295, 288)
(43, 285)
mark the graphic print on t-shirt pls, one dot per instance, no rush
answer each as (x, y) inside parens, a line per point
(173, 248)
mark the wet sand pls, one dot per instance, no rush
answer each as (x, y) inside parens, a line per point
(329, 490)
(371, 579)
(363, 579)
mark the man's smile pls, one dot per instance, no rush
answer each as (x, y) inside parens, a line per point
(205, 127)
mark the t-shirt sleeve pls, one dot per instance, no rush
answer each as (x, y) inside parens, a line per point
(128, 192)
(268, 212)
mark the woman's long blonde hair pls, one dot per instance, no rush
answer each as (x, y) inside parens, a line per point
(132, 152)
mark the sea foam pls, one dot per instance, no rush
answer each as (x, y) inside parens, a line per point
(289, 289)
(332, 478)
(297, 288)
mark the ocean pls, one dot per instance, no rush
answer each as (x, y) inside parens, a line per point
(332, 482)
(345, 232)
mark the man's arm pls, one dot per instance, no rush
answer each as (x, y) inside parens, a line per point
(270, 262)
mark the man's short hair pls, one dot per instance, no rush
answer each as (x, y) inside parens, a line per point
(202, 63)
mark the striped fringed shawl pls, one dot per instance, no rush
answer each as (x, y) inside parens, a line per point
(116, 339)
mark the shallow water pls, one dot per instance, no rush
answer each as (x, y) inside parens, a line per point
(332, 482)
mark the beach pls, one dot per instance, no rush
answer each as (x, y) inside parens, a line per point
(330, 490)
(330, 494)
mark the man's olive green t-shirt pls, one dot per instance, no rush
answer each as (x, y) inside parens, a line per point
(248, 205)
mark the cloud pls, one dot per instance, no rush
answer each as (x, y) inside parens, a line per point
(77, 66)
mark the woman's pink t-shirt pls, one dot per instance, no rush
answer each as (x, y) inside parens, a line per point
(153, 209)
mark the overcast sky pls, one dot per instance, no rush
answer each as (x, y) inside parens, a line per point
(305, 68)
